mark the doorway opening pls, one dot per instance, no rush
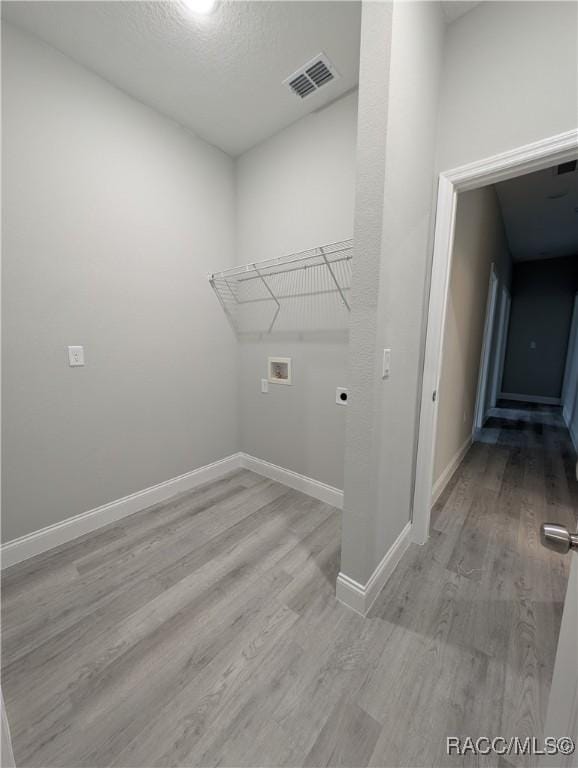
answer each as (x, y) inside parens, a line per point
(499, 420)
(507, 348)
(478, 368)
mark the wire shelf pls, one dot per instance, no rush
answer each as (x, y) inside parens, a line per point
(307, 291)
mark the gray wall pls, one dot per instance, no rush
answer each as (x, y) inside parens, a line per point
(542, 303)
(506, 64)
(112, 218)
(296, 191)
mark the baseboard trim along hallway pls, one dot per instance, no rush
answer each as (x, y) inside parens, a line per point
(567, 416)
(360, 597)
(442, 481)
(37, 542)
(538, 399)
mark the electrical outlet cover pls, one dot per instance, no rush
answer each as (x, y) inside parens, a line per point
(75, 356)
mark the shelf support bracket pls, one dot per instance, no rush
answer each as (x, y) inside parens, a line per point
(332, 273)
(222, 303)
(275, 299)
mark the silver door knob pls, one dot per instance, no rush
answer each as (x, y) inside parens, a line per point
(558, 538)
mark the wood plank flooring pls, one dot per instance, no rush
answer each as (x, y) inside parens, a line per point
(205, 631)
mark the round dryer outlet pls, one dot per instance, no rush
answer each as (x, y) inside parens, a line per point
(341, 395)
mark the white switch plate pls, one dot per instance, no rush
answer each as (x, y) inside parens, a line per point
(264, 386)
(341, 395)
(386, 365)
(75, 356)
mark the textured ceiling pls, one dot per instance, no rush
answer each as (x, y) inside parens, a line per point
(219, 75)
(540, 213)
(453, 9)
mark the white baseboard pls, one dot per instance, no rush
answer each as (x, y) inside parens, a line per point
(360, 597)
(567, 416)
(35, 543)
(40, 541)
(449, 471)
(574, 438)
(530, 398)
(308, 485)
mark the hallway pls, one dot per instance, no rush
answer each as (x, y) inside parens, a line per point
(237, 653)
(483, 599)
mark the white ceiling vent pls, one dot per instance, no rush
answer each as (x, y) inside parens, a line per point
(312, 76)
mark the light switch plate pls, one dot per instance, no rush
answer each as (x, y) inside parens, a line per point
(75, 356)
(264, 386)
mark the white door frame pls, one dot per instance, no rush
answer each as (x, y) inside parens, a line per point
(571, 353)
(516, 162)
(562, 713)
(501, 345)
(489, 323)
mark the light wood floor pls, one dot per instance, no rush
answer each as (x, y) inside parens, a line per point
(205, 631)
